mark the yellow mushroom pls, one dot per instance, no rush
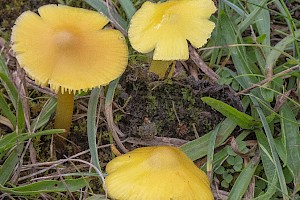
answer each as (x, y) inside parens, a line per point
(68, 49)
(160, 172)
(167, 27)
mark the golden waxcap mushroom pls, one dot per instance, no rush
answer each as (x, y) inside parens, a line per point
(68, 48)
(161, 172)
(167, 26)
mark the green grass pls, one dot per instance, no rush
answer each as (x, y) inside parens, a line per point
(256, 150)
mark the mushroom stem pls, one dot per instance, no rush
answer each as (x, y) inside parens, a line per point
(163, 68)
(64, 112)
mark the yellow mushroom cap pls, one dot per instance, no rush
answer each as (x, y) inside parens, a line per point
(68, 48)
(167, 26)
(156, 173)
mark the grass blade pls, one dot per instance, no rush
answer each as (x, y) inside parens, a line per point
(219, 158)
(290, 132)
(279, 48)
(45, 114)
(290, 22)
(10, 89)
(109, 113)
(270, 190)
(243, 120)
(5, 80)
(274, 154)
(237, 9)
(261, 17)
(242, 182)
(268, 162)
(114, 17)
(9, 140)
(199, 147)
(5, 110)
(13, 95)
(256, 16)
(7, 168)
(92, 127)
(210, 152)
(128, 8)
(71, 185)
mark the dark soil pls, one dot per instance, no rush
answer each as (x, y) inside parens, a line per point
(173, 105)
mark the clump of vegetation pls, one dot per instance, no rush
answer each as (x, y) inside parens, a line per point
(174, 105)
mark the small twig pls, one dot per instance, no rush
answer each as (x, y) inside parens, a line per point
(202, 65)
(156, 141)
(24, 167)
(6, 122)
(280, 100)
(52, 149)
(218, 194)
(234, 146)
(195, 130)
(194, 72)
(17, 170)
(39, 116)
(23, 92)
(121, 108)
(267, 80)
(43, 170)
(33, 155)
(113, 127)
(54, 163)
(96, 170)
(64, 183)
(184, 65)
(249, 194)
(33, 85)
(173, 105)
(63, 172)
(114, 21)
(180, 68)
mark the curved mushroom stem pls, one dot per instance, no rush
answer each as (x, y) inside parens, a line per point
(64, 113)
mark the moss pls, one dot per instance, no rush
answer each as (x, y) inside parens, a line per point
(174, 105)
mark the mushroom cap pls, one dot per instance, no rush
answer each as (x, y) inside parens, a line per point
(68, 48)
(160, 172)
(167, 26)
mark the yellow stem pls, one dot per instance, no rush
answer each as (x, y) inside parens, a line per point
(64, 112)
(164, 69)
